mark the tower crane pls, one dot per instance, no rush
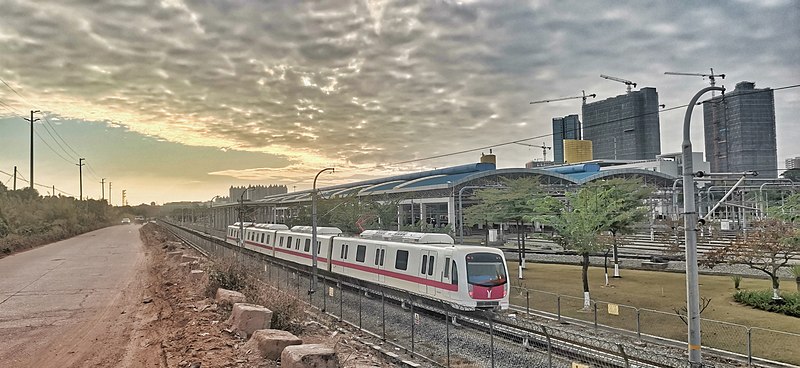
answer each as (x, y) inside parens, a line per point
(624, 81)
(544, 148)
(583, 96)
(711, 77)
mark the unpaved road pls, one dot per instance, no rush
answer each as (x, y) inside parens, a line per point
(75, 303)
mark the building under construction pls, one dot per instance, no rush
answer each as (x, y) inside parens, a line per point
(740, 131)
(624, 127)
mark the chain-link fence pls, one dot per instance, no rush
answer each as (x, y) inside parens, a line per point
(441, 337)
(652, 325)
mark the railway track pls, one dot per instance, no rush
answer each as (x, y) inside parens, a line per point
(554, 342)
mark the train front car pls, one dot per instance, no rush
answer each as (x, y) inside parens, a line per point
(487, 279)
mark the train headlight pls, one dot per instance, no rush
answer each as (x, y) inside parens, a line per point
(470, 289)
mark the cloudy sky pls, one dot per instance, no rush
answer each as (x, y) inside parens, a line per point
(179, 99)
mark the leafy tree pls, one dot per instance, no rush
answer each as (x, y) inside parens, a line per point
(769, 246)
(519, 198)
(623, 203)
(583, 217)
(793, 174)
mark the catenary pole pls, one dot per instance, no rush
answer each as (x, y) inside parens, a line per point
(102, 189)
(690, 226)
(314, 229)
(15, 178)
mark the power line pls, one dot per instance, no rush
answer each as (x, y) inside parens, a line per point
(517, 141)
(37, 184)
(51, 148)
(59, 135)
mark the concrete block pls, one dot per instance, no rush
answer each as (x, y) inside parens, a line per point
(309, 356)
(189, 259)
(270, 343)
(249, 318)
(196, 274)
(225, 296)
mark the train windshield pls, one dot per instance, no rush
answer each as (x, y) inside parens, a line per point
(486, 269)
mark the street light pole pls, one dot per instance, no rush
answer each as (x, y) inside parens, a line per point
(314, 246)
(211, 212)
(690, 227)
(241, 217)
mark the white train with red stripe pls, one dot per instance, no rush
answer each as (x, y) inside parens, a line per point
(425, 264)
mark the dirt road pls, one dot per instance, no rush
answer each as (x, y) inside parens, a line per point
(76, 303)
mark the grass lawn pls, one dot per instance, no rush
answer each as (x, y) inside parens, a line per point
(663, 291)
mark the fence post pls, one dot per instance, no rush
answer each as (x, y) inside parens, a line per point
(595, 315)
(413, 321)
(359, 307)
(527, 302)
(491, 338)
(638, 325)
(341, 301)
(549, 346)
(447, 335)
(558, 307)
(624, 355)
(383, 315)
(749, 347)
(324, 294)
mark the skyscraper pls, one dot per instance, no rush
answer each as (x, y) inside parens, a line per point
(568, 127)
(624, 127)
(740, 131)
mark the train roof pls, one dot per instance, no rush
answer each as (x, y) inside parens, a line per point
(408, 237)
(321, 230)
(272, 226)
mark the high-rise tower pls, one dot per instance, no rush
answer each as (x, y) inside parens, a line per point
(740, 131)
(568, 127)
(625, 127)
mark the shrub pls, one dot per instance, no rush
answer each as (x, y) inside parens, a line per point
(226, 275)
(762, 299)
(737, 279)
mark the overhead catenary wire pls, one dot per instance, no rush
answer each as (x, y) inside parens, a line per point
(517, 141)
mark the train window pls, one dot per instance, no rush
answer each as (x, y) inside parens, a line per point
(401, 260)
(383, 251)
(424, 263)
(288, 242)
(307, 246)
(297, 244)
(447, 267)
(377, 256)
(262, 237)
(280, 241)
(454, 278)
(430, 265)
(344, 251)
(267, 238)
(361, 253)
(319, 246)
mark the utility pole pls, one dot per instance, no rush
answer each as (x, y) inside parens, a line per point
(102, 189)
(123, 197)
(32, 120)
(54, 190)
(109, 194)
(80, 176)
(15, 178)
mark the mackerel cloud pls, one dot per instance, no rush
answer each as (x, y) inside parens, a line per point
(373, 82)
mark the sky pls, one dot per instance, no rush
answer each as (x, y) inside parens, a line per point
(178, 100)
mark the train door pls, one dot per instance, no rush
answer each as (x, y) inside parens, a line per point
(380, 255)
(427, 268)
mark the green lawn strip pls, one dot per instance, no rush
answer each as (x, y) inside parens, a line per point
(663, 292)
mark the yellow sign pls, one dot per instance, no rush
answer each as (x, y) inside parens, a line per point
(613, 309)
(330, 291)
(579, 365)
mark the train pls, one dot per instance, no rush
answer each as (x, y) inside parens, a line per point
(428, 265)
